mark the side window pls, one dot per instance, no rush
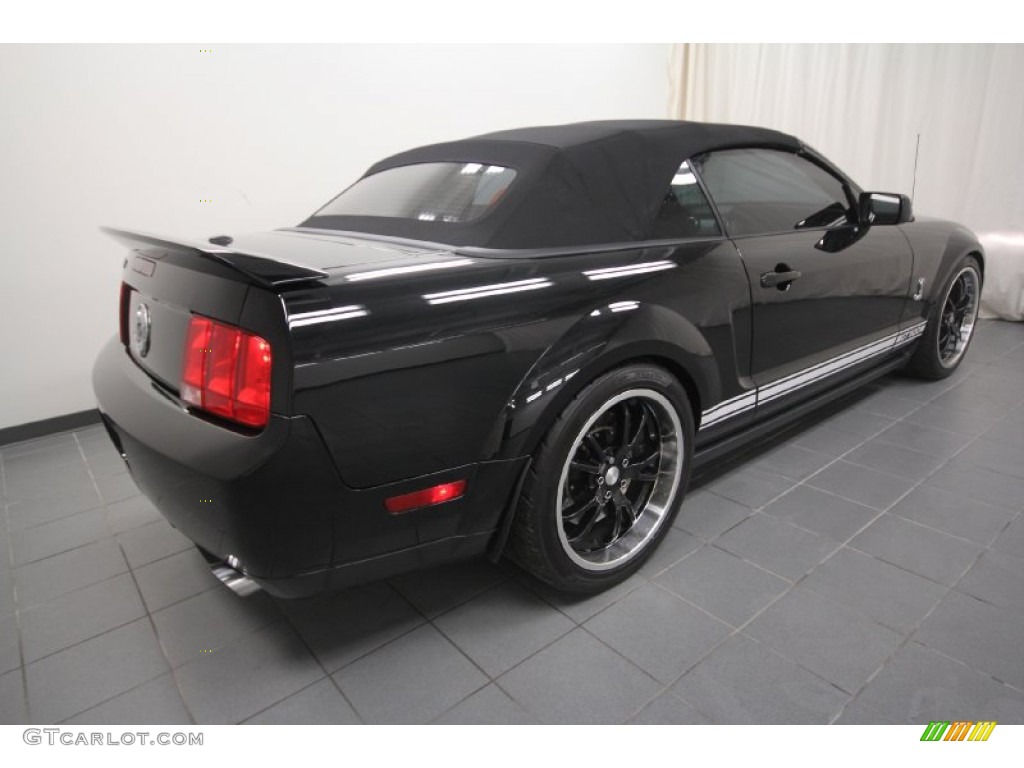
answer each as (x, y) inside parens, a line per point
(684, 210)
(760, 191)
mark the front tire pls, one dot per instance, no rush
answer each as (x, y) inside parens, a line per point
(606, 481)
(951, 324)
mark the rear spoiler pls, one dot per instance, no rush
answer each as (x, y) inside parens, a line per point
(269, 271)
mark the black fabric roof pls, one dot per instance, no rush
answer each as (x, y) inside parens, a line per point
(576, 184)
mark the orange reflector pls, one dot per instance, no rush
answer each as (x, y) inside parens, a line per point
(426, 498)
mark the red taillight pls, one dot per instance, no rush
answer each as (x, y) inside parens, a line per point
(226, 372)
(438, 494)
(126, 297)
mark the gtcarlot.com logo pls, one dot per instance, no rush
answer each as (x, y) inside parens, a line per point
(72, 738)
(960, 730)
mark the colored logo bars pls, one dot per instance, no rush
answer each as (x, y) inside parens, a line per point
(961, 730)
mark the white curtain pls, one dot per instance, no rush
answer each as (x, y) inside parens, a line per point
(953, 112)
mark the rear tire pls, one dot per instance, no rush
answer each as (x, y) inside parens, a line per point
(951, 324)
(606, 482)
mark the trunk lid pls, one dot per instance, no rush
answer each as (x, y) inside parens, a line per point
(168, 281)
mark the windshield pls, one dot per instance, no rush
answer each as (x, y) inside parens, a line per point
(452, 193)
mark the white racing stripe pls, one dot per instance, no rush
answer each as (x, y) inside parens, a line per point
(748, 400)
(729, 408)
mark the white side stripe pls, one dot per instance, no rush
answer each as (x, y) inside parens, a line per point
(728, 408)
(748, 400)
(811, 375)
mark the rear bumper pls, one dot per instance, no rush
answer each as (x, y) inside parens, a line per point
(275, 500)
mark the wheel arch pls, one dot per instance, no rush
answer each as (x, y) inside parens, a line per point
(979, 254)
(927, 361)
(960, 242)
(529, 440)
(611, 363)
(589, 350)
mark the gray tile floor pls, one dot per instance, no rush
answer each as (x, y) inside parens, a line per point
(866, 567)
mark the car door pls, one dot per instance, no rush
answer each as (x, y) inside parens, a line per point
(715, 298)
(826, 292)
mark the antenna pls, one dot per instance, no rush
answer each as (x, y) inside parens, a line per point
(917, 150)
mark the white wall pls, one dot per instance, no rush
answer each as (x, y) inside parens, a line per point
(137, 136)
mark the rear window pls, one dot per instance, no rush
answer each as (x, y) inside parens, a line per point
(452, 193)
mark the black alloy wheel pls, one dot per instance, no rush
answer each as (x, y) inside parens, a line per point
(951, 324)
(606, 481)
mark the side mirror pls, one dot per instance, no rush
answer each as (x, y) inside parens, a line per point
(885, 208)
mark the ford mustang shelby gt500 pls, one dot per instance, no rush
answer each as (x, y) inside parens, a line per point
(520, 343)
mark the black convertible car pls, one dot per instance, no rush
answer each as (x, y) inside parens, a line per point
(520, 343)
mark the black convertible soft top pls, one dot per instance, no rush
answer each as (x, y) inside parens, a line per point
(576, 184)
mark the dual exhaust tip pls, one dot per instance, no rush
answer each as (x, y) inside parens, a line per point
(230, 574)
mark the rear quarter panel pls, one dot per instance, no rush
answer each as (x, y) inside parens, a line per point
(438, 370)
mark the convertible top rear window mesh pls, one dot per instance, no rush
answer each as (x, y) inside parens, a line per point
(450, 193)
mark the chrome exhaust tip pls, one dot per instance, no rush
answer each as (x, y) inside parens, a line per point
(234, 579)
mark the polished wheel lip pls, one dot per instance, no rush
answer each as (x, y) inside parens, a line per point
(969, 279)
(655, 512)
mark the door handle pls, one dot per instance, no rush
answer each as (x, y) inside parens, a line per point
(780, 278)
